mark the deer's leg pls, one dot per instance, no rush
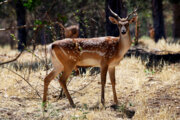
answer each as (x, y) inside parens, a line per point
(113, 82)
(103, 82)
(62, 82)
(47, 81)
(61, 95)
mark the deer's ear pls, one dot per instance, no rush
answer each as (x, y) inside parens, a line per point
(113, 20)
(132, 20)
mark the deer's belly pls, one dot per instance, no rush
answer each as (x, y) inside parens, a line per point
(89, 62)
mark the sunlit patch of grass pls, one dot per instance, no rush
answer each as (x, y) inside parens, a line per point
(165, 113)
(164, 46)
(161, 45)
(132, 73)
(169, 74)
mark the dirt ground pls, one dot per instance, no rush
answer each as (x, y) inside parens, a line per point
(143, 94)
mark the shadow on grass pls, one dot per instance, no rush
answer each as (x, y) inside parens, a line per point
(121, 111)
(128, 112)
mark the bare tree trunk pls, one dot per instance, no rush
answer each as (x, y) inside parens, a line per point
(176, 17)
(21, 20)
(82, 27)
(158, 19)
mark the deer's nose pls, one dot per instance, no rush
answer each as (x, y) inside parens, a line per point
(123, 31)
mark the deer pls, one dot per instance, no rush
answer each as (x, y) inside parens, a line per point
(104, 52)
(71, 31)
(151, 32)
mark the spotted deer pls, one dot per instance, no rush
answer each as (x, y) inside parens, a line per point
(104, 52)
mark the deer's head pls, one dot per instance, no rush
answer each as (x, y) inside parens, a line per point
(122, 23)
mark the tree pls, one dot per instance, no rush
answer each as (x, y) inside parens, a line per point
(118, 7)
(21, 20)
(158, 19)
(176, 18)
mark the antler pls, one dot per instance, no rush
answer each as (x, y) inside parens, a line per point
(131, 13)
(116, 15)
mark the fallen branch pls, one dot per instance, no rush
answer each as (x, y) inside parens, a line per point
(12, 59)
(154, 58)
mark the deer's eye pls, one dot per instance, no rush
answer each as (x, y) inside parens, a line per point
(126, 25)
(119, 25)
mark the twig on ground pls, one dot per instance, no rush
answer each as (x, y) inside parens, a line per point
(22, 87)
(75, 91)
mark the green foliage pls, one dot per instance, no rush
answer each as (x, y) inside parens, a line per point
(85, 106)
(82, 117)
(43, 104)
(38, 22)
(122, 108)
(62, 18)
(13, 37)
(80, 48)
(131, 104)
(147, 71)
(31, 4)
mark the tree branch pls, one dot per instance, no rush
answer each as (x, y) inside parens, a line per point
(154, 58)
(12, 59)
(18, 27)
(6, 1)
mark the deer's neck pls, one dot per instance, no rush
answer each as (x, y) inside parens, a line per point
(124, 43)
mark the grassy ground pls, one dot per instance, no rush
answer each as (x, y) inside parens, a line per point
(153, 94)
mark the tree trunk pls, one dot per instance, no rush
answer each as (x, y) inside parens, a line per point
(82, 27)
(176, 17)
(21, 20)
(158, 19)
(118, 7)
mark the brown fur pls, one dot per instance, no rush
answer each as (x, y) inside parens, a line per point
(151, 32)
(72, 31)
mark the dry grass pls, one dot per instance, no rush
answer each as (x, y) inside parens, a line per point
(152, 94)
(162, 45)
